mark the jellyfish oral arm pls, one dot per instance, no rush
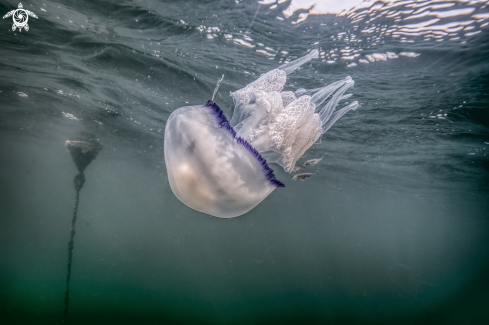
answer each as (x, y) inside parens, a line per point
(282, 125)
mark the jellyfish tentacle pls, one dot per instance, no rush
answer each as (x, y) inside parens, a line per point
(326, 112)
(320, 96)
(338, 114)
(288, 68)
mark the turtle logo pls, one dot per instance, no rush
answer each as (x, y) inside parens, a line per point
(20, 17)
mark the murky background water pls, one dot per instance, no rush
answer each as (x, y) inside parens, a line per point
(392, 229)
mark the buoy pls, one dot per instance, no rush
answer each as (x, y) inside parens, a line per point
(83, 151)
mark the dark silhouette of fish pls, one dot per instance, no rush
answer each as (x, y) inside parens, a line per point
(302, 176)
(312, 162)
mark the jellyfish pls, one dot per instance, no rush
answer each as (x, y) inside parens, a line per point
(221, 167)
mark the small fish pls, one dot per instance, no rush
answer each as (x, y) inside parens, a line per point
(312, 162)
(302, 176)
(296, 168)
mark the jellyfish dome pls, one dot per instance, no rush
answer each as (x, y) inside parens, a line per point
(221, 167)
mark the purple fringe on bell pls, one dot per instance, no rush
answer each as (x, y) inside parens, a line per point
(223, 122)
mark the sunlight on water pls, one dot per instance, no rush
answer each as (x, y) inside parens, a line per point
(374, 21)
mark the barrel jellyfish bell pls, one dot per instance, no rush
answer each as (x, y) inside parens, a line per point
(221, 167)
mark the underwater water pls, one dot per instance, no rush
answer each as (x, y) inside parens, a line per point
(392, 227)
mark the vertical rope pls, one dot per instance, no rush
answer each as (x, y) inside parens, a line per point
(78, 182)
